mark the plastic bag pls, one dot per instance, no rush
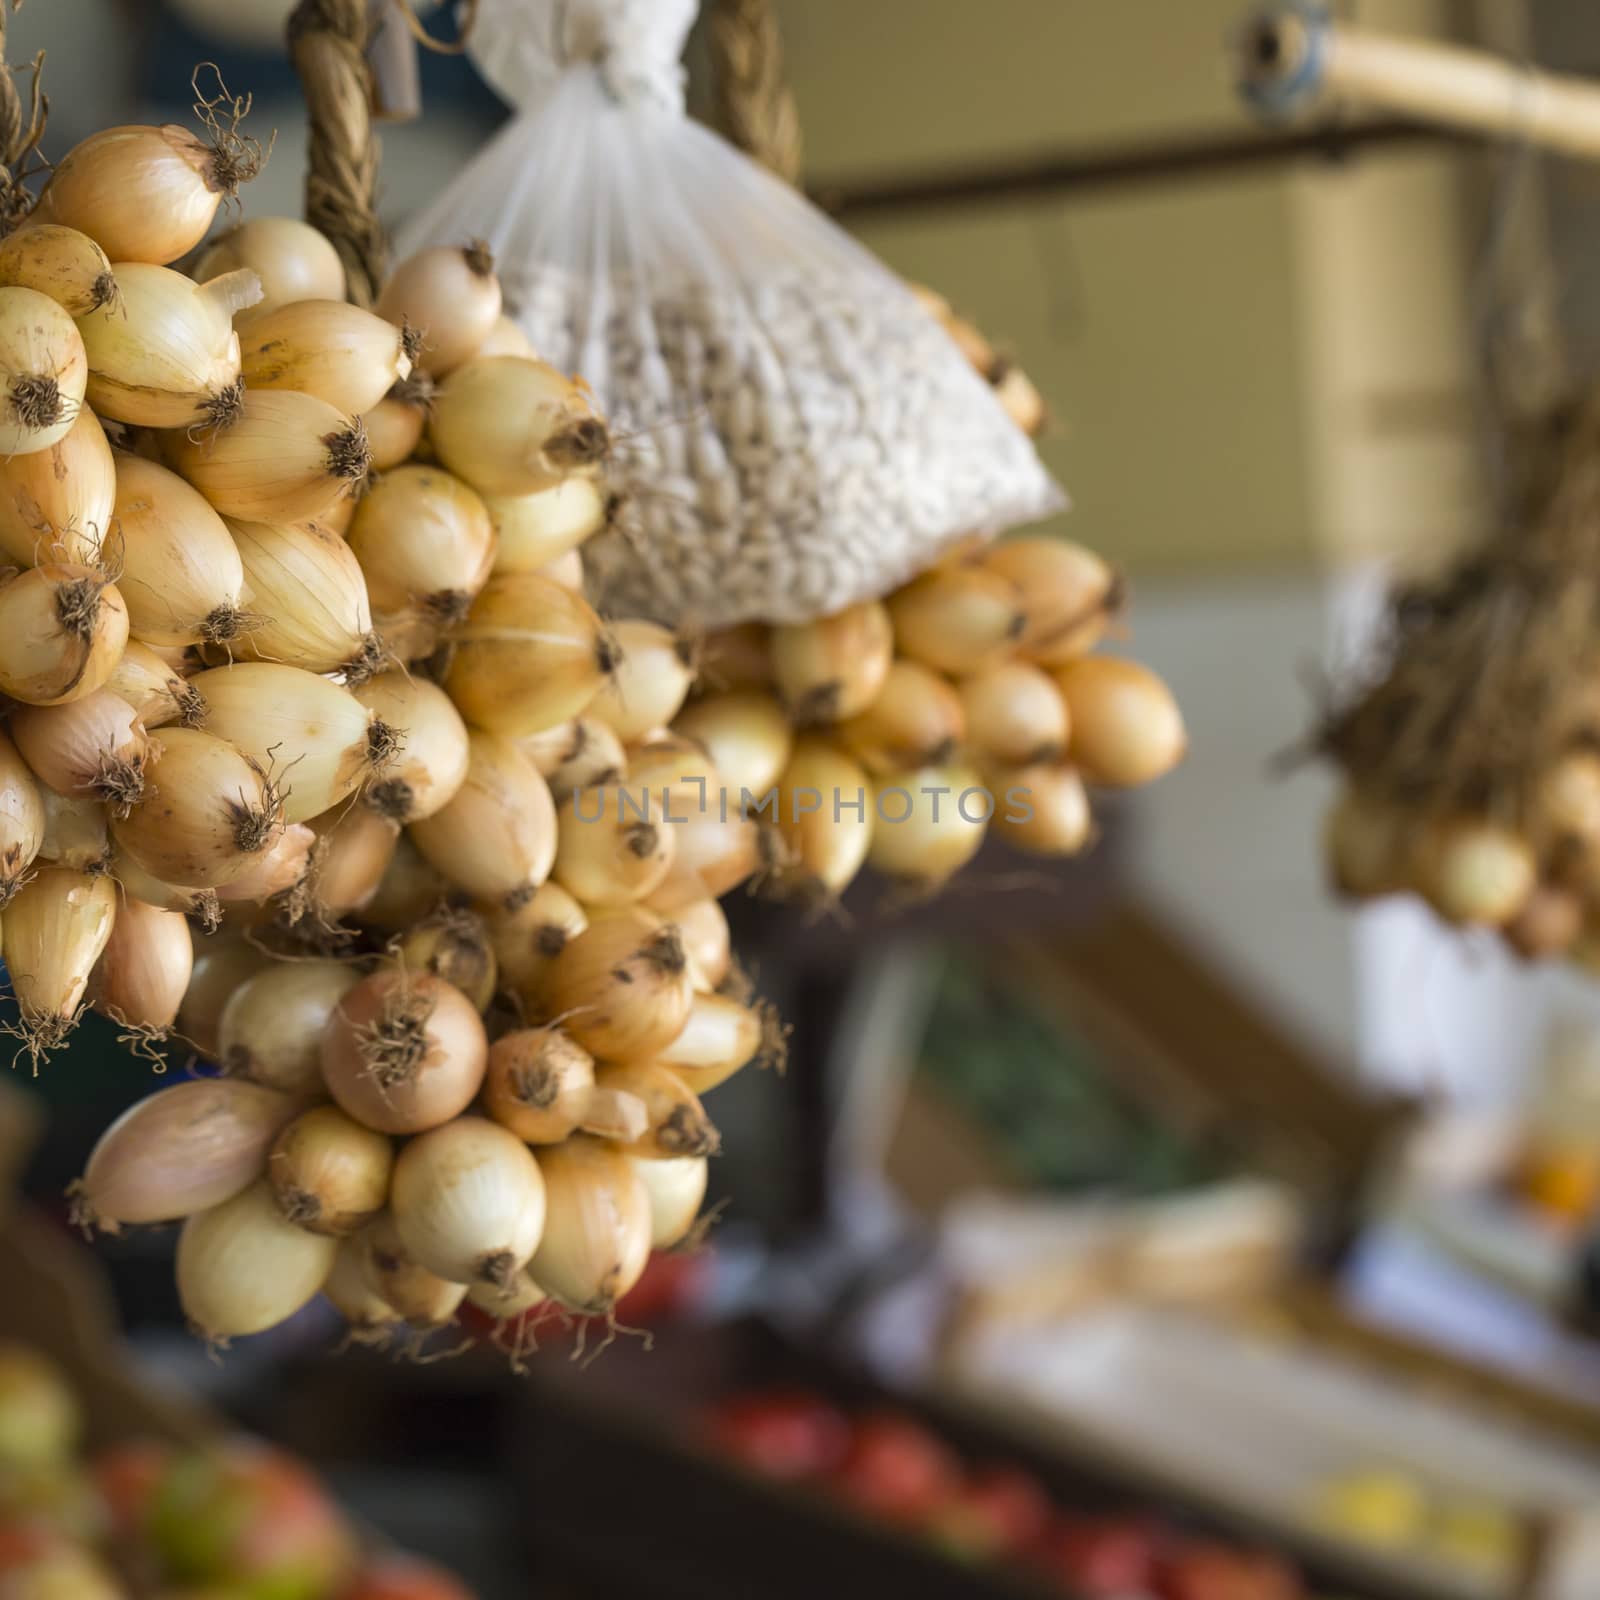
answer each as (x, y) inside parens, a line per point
(794, 432)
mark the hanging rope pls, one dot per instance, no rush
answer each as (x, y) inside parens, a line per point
(328, 42)
(755, 106)
(20, 131)
(440, 47)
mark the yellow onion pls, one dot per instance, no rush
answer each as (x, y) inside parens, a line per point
(308, 599)
(329, 1174)
(1043, 809)
(535, 529)
(394, 430)
(164, 353)
(94, 748)
(506, 339)
(207, 810)
(513, 426)
(286, 457)
(1126, 726)
(270, 1031)
(280, 867)
(677, 1124)
(497, 834)
(1014, 714)
(353, 850)
(316, 737)
(369, 1318)
(527, 931)
(715, 848)
(144, 969)
(1566, 800)
(222, 962)
(157, 693)
(670, 766)
(597, 1228)
(146, 193)
(468, 1202)
(56, 504)
(1021, 399)
(651, 672)
(242, 1268)
(928, 824)
(408, 889)
(338, 352)
(539, 1084)
(613, 846)
(182, 1150)
(747, 734)
(452, 944)
(292, 260)
(566, 570)
(706, 938)
(1473, 871)
(582, 754)
(1068, 595)
(1365, 841)
(833, 668)
(451, 296)
(404, 1052)
(622, 987)
(43, 371)
(431, 765)
(61, 263)
(78, 847)
(825, 816)
(421, 1298)
(426, 545)
(77, 834)
(56, 927)
(22, 819)
(1549, 923)
(62, 632)
(916, 719)
(736, 658)
(530, 654)
(958, 619)
(677, 1189)
(522, 1296)
(721, 1035)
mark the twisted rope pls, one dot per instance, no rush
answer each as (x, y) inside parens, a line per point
(20, 131)
(327, 43)
(755, 106)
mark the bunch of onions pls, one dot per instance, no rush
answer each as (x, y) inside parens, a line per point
(156, 692)
(452, 944)
(918, 718)
(675, 1122)
(279, 868)
(350, 859)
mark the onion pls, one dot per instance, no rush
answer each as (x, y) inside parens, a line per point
(404, 1052)
(1021, 399)
(148, 193)
(1014, 714)
(677, 1189)
(669, 765)
(928, 824)
(958, 619)
(157, 693)
(56, 504)
(531, 654)
(715, 848)
(527, 931)
(468, 1202)
(338, 352)
(292, 260)
(56, 926)
(597, 1228)
(183, 1150)
(352, 854)
(677, 1124)
(21, 819)
(513, 426)
(532, 530)
(144, 969)
(706, 939)
(539, 1084)
(1068, 595)
(1566, 800)
(498, 834)
(1043, 809)
(243, 1269)
(747, 733)
(207, 810)
(1126, 726)
(917, 719)
(369, 1318)
(282, 865)
(410, 887)
(271, 1028)
(329, 1174)
(61, 263)
(427, 772)
(737, 658)
(648, 674)
(221, 963)
(394, 430)
(826, 820)
(614, 846)
(1549, 923)
(1365, 841)
(581, 754)
(285, 458)
(308, 599)
(43, 372)
(164, 353)
(622, 987)
(451, 296)
(566, 570)
(322, 740)
(506, 339)
(62, 631)
(421, 1298)
(454, 945)
(835, 667)
(1472, 871)
(77, 835)
(94, 748)
(523, 1296)
(720, 1036)
(426, 546)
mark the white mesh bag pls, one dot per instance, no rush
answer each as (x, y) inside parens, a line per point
(794, 432)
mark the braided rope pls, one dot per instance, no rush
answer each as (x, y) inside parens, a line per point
(755, 106)
(20, 131)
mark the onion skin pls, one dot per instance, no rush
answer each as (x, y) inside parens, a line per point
(292, 260)
(422, 1298)
(538, 1084)
(677, 1189)
(431, 765)
(528, 931)
(62, 632)
(746, 733)
(1068, 595)
(56, 927)
(271, 1028)
(55, 504)
(598, 1226)
(916, 719)
(1127, 729)
(330, 1175)
(451, 295)
(622, 986)
(181, 1150)
(145, 967)
(677, 1123)
(832, 668)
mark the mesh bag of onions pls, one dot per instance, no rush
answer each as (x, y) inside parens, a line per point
(798, 433)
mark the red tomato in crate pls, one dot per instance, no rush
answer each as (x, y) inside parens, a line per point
(897, 1471)
(786, 1434)
(997, 1511)
(399, 1577)
(1105, 1558)
(1217, 1572)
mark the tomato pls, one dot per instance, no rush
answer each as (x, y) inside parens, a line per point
(1216, 1572)
(997, 1511)
(398, 1577)
(1106, 1557)
(128, 1476)
(898, 1471)
(787, 1434)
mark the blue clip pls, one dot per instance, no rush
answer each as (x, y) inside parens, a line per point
(1282, 97)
